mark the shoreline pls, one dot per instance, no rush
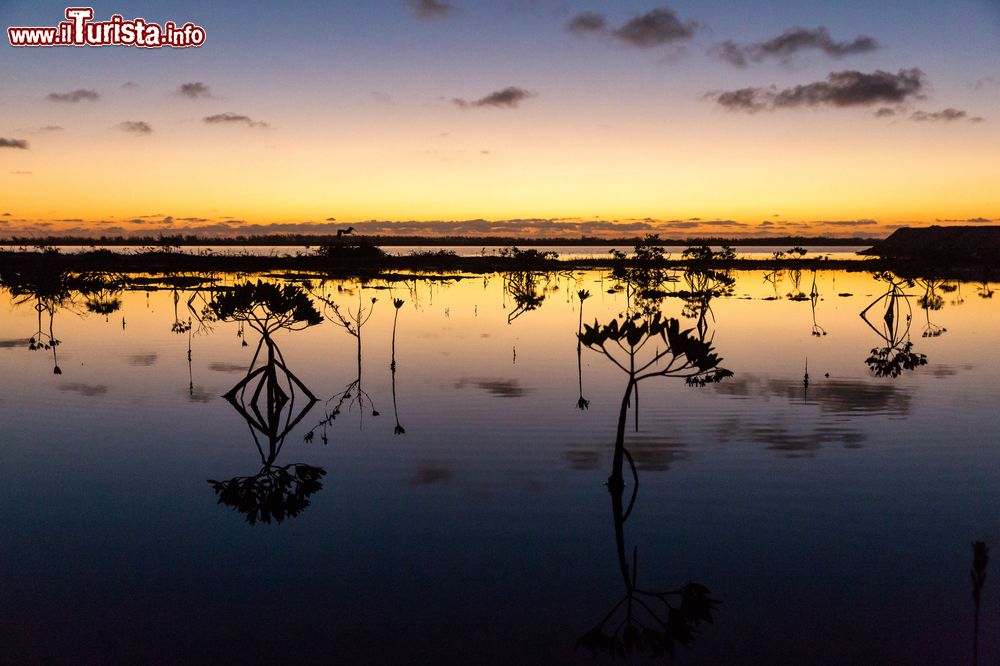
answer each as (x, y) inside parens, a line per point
(376, 267)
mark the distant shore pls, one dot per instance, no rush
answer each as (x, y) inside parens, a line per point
(309, 241)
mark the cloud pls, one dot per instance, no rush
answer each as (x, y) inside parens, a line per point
(658, 27)
(840, 89)
(971, 220)
(74, 96)
(194, 90)
(985, 83)
(790, 42)
(508, 98)
(431, 9)
(885, 112)
(331, 219)
(19, 144)
(135, 127)
(233, 119)
(848, 223)
(5, 215)
(945, 115)
(21, 173)
(587, 22)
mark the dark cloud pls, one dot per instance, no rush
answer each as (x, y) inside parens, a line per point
(658, 27)
(945, 115)
(508, 98)
(587, 22)
(19, 144)
(840, 89)
(75, 96)
(130, 84)
(233, 119)
(135, 127)
(885, 112)
(5, 215)
(985, 83)
(790, 42)
(194, 90)
(431, 9)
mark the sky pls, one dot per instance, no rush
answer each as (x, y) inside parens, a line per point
(508, 117)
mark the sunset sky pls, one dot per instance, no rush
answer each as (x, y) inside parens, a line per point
(518, 117)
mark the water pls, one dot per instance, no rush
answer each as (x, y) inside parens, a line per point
(832, 522)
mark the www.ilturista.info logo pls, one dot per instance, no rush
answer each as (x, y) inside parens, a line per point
(80, 30)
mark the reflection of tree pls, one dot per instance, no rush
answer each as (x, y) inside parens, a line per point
(642, 276)
(703, 284)
(50, 289)
(266, 399)
(396, 303)
(817, 330)
(931, 300)
(204, 316)
(524, 288)
(893, 327)
(354, 395)
(984, 290)
(581, 403)
(645, 621)
(795, 275)
(102, 294)
(774, 278)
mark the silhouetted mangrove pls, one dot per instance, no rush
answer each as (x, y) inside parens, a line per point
(266, 399)
(683, 356)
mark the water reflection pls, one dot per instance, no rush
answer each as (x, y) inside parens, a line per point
(932, 301)
(354, 395)
(266, 399)
(647, 621)
(525, 289)
(49, 289)
(814, 297)
(581, 402)
(397, 304)
(894, 328)
(980, 559)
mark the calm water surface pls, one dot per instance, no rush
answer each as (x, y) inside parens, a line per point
(453, 507)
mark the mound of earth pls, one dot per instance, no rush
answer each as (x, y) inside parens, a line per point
(963, 245)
